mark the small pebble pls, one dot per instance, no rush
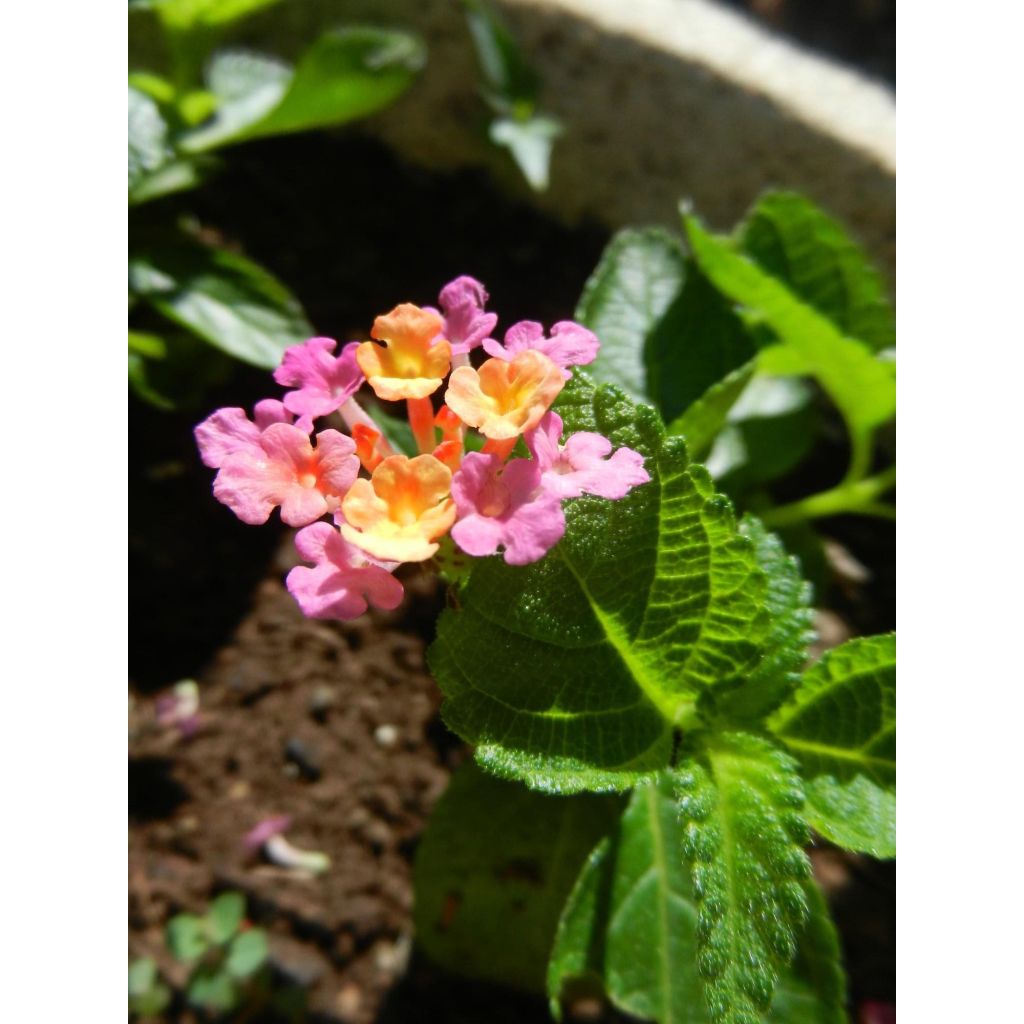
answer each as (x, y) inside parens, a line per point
(239, 790)
(304, 758)
(321, 701)
(386, 736)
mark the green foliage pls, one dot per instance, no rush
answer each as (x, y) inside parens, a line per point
(795, 242)
(625, 301)
(220, 296)
(147, 994)
(698, 342)
(862, 388)
(645, 605)
(511, 90)
(345, 75)
(635, 894)
(841, 724)
(767, 432)
(704, 419)
(740, 800)
(173, 125)
(227, 959)
(488, 896)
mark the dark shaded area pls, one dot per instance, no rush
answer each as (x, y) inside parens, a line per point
(857, 32)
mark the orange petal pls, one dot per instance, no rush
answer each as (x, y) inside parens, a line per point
(410, 363)
(505, 399)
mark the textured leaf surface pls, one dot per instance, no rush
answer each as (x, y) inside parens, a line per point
(493, 870)
(699, 341)
(569, 673)
(813, 990)
(631, 922)
(705, 418)
(631, 919)
(795, 242)
(788, 600)
(222, 297)
(639, 276)
(740, 800)
(841, 724)
(861, 387)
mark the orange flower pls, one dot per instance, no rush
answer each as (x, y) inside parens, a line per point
(398, 514)
(410, 363)
(505, 399)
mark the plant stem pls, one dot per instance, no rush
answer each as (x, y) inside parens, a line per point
(857, 496)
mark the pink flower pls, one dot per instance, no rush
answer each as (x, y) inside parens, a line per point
(580, 466)
(570, 343)
(324, 381)
(465, 322)
(284, 469)
(229, 430)
(505, 505)
(343, 580)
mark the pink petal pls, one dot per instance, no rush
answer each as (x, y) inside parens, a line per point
(570, 343)
(251, 486)
(337, 460)
(466, 324)
(530, 522)
(478, 535)
(343, 582)
(324, 382)
(224, 433)
(270, 410)
(542, 441)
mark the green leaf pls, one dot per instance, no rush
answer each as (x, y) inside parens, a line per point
(174, 176)
(633, 895)
(225, 915)
(797, 243)
(640, 275)
(213, 990)
(346, 74)
(530, 143)
(508, 77)
(768, 431)
(247, 953)
(247, 86)
(841, 724)
(192, 14)
(699, 340)
(222, 297)
(607, 642)
(861, 387)
(495, 865)
(740, 800)
(813, 990)
(186, 937)
(705, 418)
(788, 600)
(141, 975)
(148, 145)
(154, 86)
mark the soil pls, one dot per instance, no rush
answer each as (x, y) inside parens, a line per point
(337, 725)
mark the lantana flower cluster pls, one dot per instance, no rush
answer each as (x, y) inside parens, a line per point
(489, 501)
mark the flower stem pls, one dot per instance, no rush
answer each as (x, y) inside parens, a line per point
(352, 413)
(421, 419)
(858, 497)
